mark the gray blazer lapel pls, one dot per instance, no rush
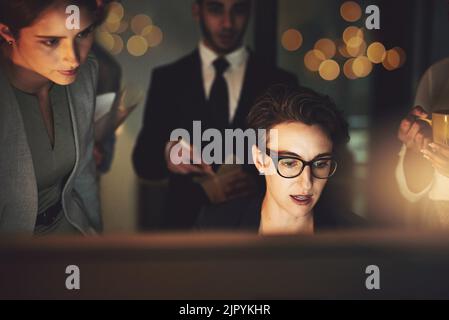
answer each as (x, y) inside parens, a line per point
(74, 118)
(81, 187)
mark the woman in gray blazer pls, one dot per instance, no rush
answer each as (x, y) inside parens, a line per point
(47, 99)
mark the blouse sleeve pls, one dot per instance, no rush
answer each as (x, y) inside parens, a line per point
(402, 182)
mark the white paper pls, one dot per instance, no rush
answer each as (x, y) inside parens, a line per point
(104, 104)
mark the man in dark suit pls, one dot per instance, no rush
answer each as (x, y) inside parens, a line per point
(217, 85)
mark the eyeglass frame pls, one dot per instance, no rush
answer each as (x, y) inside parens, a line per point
(304, 164)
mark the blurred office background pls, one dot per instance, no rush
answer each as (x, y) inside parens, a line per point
(371, 74)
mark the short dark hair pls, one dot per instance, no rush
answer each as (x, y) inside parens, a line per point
(283, 104)
(18, 14)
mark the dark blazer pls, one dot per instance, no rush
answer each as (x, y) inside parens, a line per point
(244, 215)
(175, 99)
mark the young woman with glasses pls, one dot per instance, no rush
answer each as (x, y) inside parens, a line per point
(304, 132)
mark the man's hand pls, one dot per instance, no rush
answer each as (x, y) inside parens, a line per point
(236, 184)
(228, 186)
(438, 155)
(414, 131)
(185, 153)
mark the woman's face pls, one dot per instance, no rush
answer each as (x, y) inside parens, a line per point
(50, 49)
(296, 196)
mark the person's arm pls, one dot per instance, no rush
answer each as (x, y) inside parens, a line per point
(418, 172)
(438, 157)
(153, 150)
(410, 185)
(413, 173)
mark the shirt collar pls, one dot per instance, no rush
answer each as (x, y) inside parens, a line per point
(235, 58)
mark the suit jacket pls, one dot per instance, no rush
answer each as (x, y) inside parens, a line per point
(18, 193)
(175, 99)
(244, 215)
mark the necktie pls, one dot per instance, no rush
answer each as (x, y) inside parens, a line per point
(219, 98)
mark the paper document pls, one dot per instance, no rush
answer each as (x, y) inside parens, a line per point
(104, 104)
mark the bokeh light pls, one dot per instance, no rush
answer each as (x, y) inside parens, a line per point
(111, 26)
(350, 11)
(139, 22)
(392, 60)
(362, 67)
(114, 17)
(353, 32)
(355, 42)
(111, 33)
(376, 52)
(327, 47)
(118, 45)
(123, 26)
(105, 39)
(343, 50)
(292, 40)
(153, 35)
(348, 69)
(116, 12)
(329, 70)
(137, 46)
(356, 48)
(313, 59)
(402, 55)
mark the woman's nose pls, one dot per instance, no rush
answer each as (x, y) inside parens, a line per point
(71, 56)
(305, 179)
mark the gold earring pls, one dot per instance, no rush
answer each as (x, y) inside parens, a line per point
(10, 42)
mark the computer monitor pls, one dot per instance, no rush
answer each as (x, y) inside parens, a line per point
(228, 266)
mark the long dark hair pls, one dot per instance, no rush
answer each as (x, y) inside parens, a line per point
(18, 14)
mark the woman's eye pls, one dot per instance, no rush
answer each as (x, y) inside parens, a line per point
(321, 164)
(290, 163)
(85, 33)
(51, 42)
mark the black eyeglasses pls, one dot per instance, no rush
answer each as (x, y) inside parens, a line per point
(291, 167)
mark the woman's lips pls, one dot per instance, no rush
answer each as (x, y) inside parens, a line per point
(68, 73)
(302, 200)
